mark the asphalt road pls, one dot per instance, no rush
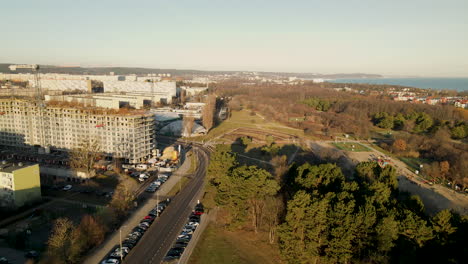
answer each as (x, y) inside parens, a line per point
(158, 239)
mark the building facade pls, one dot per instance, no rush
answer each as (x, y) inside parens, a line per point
(19, 184)
(128, 135)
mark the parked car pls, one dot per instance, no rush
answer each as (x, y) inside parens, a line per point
(139, 229)
(110, 261)
(4, 260)
(118, 253)
(144, 227)
(151, 189)
(67, 187)
(32, 254)
(145, 224)
(180, 245)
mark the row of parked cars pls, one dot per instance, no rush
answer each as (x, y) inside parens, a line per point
(117, 253)
(154, 186)
(183, 239)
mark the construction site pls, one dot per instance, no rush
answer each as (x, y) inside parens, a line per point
(29, 122)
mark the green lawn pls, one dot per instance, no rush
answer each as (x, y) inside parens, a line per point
(349, 146)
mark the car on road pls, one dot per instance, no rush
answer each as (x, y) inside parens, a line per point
(67, 187)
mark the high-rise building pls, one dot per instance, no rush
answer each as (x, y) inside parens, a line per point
(128, 134)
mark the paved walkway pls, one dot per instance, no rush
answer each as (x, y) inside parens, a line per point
(99, 253)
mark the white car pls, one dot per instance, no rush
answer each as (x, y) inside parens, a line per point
(110, 261)
(67, 187)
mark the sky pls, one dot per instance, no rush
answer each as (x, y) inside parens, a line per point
(400, 37)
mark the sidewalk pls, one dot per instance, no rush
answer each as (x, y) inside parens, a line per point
(134, 219)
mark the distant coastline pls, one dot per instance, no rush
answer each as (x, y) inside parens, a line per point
(458, 84)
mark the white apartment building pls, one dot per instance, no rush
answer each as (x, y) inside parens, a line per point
(112, 83)
(123, 134)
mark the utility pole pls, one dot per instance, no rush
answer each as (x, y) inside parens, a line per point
(120, 239)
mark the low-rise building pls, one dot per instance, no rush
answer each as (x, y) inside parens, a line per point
(20, 184)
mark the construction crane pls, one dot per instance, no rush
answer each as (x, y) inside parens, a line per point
(38, 96)
(37, 82)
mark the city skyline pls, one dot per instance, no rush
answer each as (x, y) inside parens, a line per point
(420, 38)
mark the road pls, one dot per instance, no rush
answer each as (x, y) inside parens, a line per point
(159, 237)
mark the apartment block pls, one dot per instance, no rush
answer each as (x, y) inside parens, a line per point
(127, 134)
(19, 184)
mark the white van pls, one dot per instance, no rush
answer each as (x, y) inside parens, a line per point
(142, 167)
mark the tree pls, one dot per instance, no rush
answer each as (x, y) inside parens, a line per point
(280, 165)
(93, 231)
(250, 187)
(188, 124)
(442, 226)
(273, 208)
(399, 145)
(460, 132)
(423, 123)
(209, 111)
(415, 228)
(221, 163)
(246, 141)
(383, 120)
(123, 197)
(324, 177)
(59, 241)
(444, 168)
(84, 156)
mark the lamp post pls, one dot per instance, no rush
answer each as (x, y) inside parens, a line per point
(120, 239)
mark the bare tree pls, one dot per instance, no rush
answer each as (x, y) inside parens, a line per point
(188, 123)
(209, 111)
(84, 156)
(273, 208)
(123, 196)
(59, 241)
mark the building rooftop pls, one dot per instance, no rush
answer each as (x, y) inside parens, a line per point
(10, 167)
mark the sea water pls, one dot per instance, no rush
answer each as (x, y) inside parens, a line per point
(458, 84)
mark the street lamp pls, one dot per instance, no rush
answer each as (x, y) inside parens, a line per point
(120, 238)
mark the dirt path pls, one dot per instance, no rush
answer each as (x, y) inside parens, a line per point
(435, 197)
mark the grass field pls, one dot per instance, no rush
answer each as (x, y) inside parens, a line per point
(244, 118)
(220, 246)
(413, 162)
(349, 146)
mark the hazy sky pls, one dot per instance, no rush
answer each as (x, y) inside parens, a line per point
(399, 37)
